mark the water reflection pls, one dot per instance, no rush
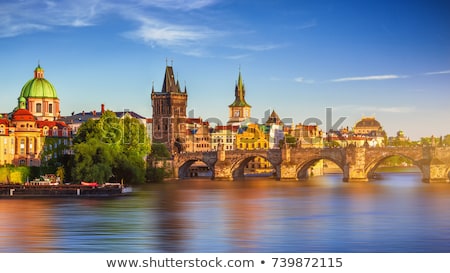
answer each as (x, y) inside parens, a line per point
(396, 214)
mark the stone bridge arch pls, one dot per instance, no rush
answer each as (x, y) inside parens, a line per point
(238, 165)
(374, 157)
(183, 162)
(304, 168)
(297, 161)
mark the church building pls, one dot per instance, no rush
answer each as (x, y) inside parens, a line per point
(32, 134)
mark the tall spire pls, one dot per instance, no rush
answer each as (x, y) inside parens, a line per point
(169, 85)
(239, 92)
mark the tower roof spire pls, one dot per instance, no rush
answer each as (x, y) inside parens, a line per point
(239, 92)
(170, 84)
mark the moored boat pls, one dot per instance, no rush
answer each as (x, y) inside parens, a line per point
(90, 184)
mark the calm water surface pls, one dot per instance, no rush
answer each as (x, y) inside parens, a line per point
(323, 214)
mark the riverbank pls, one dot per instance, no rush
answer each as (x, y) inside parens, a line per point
(75, 191)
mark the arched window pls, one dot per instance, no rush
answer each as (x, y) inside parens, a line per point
(38, 107)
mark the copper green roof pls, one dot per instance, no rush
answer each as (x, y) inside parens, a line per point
(38, 87)
(239, 94)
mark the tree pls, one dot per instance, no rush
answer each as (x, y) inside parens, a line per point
(134, 138)
(446, 140)
(157, 174)
(110, 147)
(93, 161)
(135, 146)
(159, 151)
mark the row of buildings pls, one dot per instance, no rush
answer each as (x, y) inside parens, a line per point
(35, 133)
(179, 133)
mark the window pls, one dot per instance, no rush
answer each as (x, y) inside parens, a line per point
(38, 107)
(50, 108)
(22, 146)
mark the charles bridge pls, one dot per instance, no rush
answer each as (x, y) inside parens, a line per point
(357, 163)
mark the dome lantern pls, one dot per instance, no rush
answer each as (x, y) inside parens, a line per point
(39, 72)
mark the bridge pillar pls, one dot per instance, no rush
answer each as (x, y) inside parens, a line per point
(354, 169)
(435, 172)
(175, 172)
(288, 171)
(222, 171)
(222, 168)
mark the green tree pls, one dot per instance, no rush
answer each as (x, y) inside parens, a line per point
(93, 161)
(159, 151)
(134, 139)
(446, 140)
(110, 147)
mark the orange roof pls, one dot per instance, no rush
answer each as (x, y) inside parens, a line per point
(23, 115)
(233, 128)
(4, 121)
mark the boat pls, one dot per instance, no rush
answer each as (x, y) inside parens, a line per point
(88, 189)
(90, 184)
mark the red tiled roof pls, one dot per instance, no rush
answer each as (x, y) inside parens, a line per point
(23, 115)
(232, 128)
(4, 121)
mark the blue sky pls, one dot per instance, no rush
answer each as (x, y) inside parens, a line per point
(390, 59)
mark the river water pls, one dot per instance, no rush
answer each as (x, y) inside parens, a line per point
(398, 213)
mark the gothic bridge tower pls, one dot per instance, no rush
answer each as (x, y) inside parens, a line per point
(169, 113)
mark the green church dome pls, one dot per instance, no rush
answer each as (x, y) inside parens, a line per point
(38, 87)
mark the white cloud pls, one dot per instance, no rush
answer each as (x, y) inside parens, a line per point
(368, 78)
(21, 17)
(438, 72)
(169, 35)
(187, 39)
(303, 80)
(236, 57)
(310, 24)
(256, 47)
(178, 4)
